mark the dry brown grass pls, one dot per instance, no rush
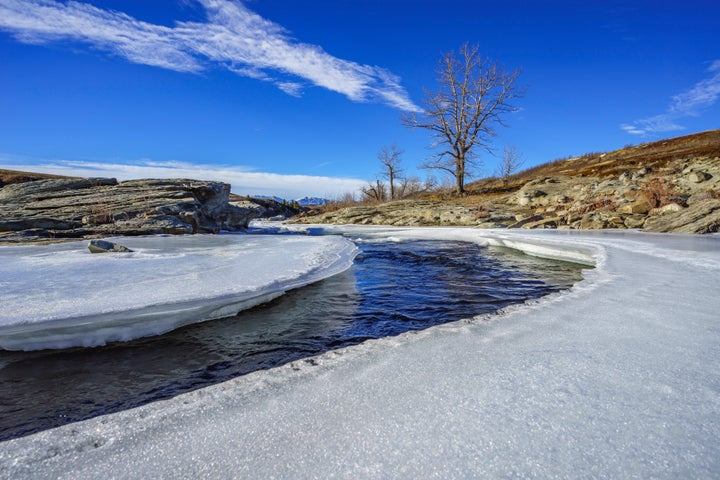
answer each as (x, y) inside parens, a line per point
(8, 177)
(655, 155)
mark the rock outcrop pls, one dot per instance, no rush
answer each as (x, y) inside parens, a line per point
(95, 207)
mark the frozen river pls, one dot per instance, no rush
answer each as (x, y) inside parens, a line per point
(392, 287)
(617, 377)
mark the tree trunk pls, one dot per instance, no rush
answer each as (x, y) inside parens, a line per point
(460, 176)
(392, 184)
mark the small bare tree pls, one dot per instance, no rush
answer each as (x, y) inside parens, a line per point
(510, 163)
(431, 183)
(409, 187)
(390, 159)
(375, 191)
(474, 95)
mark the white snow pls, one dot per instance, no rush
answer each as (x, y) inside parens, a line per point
(60, 296)
(618, 377)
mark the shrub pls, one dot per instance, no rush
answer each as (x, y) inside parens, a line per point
(659, 192)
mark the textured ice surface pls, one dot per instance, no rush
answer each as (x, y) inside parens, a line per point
(61, 295)
(619, 377)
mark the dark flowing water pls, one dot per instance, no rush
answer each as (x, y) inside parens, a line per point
(392, 288)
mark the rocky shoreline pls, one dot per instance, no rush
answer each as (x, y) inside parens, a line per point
(681, 195)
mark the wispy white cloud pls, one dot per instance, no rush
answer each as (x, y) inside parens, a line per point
(703, 95)
(690, 103)
(291, 88)
(244, 181)
(233, 36)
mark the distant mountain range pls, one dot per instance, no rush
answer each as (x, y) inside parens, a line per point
(303, 202)
(311, 201)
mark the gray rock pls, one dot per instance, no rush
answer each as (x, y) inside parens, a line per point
(164, 224)
(701, 217)
(492, 225)
(639, 206)
(33, 223)
(104, 246)
(592, 221)
(634, 221)
(699, 177)
(550, 222)
(699, 197)
(525, 221)
(400, 212)
(53, 186)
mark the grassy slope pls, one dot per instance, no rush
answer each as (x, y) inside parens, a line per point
(655, 155)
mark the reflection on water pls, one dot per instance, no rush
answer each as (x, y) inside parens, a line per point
(392, 288)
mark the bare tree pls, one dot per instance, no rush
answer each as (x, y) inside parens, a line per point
(375, 191)
(410, 186)
(390, 159)
(510, 163)
(431, 183)
(474, 95)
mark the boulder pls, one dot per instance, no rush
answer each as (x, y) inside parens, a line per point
(592, 221)
(638, 206)
(699, 177)
(104, 246)
(670, 207)
(634, 221)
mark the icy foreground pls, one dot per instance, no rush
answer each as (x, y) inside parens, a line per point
(59, 296)
(617, 378)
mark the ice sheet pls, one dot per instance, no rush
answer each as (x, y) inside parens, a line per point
(60, 296)
(618, 377)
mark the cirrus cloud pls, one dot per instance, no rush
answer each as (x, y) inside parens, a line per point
(233, 37)
(690, 103)
(244, 180)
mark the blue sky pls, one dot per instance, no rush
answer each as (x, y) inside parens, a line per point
(296, 98)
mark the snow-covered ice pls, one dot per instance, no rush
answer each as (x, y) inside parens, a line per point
(59, 296)
(618, 377)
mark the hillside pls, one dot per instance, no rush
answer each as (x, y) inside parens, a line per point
(672, 185)
(659, 156)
